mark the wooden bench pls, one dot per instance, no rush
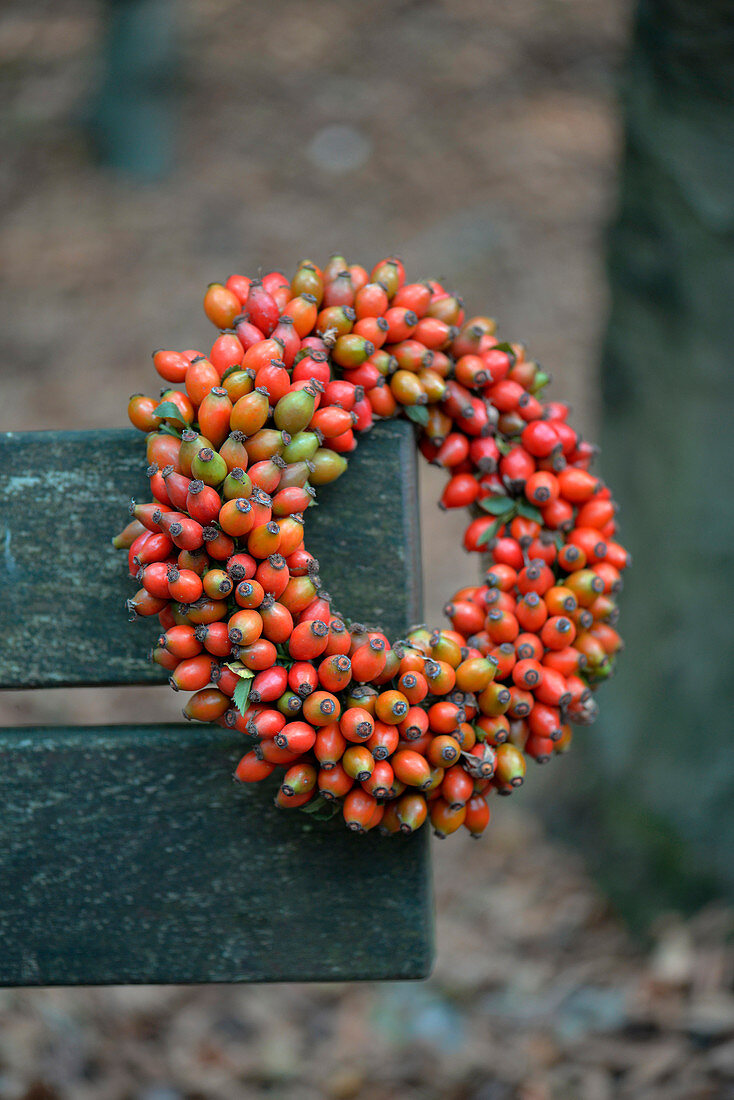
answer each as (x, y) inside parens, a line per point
(127, 854)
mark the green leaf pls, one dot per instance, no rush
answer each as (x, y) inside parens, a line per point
(497, 505)
(491, 532)
(168, 429)
(527, 511)
(320, 808)
(242, 694)
(503, 446)
(508, 350)
(241, 670)
(168, 411)
(417, 413)
(284, 658)
(242, 690)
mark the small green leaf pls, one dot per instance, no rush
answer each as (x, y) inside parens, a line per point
(527, 511)
(490, 533)
(320, 808)
(503, 446)
(241, 670)
(242, 694)
(508, 350)
(497, 505)
(284, 658)
(168, 429)
(417, 413)
(168, 411)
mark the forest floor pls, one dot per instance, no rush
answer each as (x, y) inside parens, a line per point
(539, 993)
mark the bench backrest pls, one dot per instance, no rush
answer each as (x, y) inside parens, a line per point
(126, 855)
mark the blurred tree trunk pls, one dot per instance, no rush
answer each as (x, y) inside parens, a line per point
(132, 120)
(653, 786)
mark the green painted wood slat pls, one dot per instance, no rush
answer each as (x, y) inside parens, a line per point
(126, 853)
(63, 585)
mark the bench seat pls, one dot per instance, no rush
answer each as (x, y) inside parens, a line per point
(127, 854)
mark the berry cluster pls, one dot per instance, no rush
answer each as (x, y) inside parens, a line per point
(390, 734)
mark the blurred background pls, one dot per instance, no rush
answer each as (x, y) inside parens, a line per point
(151, 147)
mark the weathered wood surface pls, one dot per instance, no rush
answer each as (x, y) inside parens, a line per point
(128, 855)
(63, 585)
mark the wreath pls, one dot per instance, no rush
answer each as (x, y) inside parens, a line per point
(390, 734)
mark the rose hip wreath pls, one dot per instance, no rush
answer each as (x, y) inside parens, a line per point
(390, 734)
